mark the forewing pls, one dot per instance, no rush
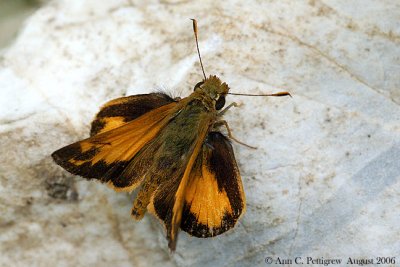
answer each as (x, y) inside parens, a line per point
(214, 197)
(105, 155)
(119, 111)
(168, 200)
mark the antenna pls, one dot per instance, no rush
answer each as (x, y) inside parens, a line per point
(197, 45)
(276, 94)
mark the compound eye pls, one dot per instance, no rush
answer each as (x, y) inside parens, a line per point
(198, 85)
(220, 102)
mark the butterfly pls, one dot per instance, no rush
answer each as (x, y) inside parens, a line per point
(172, 152)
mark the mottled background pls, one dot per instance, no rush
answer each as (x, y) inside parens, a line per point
(323, 183)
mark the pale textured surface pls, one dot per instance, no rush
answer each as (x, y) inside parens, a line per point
(325, 181)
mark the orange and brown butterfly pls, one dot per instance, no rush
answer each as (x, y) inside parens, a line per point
(172, 150)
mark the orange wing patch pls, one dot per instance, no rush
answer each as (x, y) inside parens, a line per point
(206, 201)
(214, 198)
(109, 123)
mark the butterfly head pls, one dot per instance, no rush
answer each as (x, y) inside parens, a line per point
(213, 88)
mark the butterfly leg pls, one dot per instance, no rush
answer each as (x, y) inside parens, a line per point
(233, 104)
(224, 123)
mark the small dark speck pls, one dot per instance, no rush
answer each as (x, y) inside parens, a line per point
(347, 153)
(74, 195)
(61, 187)
(51, 20)
(29, 201)
(369, 136)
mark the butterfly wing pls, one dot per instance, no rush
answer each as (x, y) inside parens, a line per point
(214, 197)
(105, 155)
(124, 109)
(208, 198)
